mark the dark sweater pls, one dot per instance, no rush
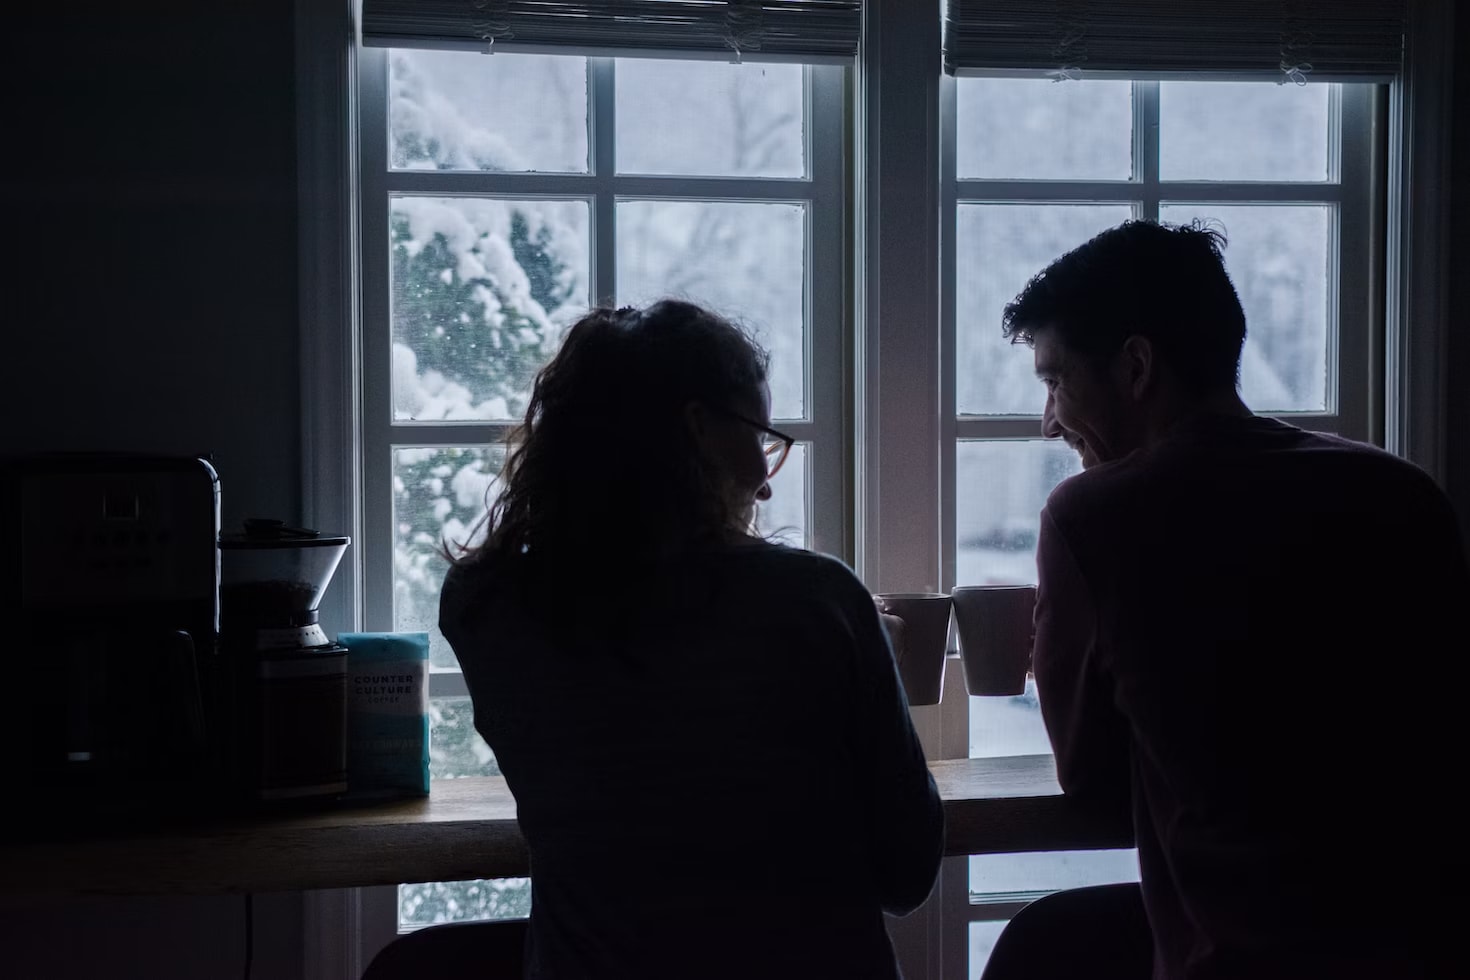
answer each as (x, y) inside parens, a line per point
(1254, 636)
(739, 792)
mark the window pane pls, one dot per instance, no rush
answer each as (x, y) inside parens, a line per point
(706, 118)
(439, 494)
(482, 291)
(783, 518)
(993, 875)
(456, 749)
(983, 936)
(1007, 726)
(460, 110)
(1008, 876)
(1280, 260)
(746, 260)
(1036, 129)
(1000, 488)
(1243, 131)
(1000, 247)
(435, 902)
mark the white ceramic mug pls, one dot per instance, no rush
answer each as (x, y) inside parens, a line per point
(994, 625)
(920, 650)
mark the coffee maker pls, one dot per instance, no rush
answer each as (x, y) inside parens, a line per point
(287, 680)
(108, 581)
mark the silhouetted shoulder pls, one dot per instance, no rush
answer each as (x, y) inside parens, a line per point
(797, 573)
(466, 586)
(1250, 473)
(1319, 469)
(1094, 494)
(1373, 461)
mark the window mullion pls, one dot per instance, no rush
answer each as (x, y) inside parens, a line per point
(448, 434)
(521, 184)
(1012, 190)
(827, 320)
(948, 325)
(602, 106)
(997, 427)
(1357, 282)
(899, 343)
(1146, 146)
(375, 549)
(447, 683)
(954, 711)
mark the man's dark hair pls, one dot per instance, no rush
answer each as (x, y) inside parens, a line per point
(1164, 282)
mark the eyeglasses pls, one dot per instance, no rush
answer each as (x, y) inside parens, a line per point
(776, 445)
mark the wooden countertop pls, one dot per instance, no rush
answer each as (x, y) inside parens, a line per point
(467, 829)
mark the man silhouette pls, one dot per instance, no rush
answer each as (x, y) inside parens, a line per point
(1248, 635)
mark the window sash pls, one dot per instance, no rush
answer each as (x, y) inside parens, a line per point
(1335, 40)
(1355, 322)
(806, 31)
(1355, 376)
(1354, 193)
(826, 430)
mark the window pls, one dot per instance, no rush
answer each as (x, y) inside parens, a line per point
(1065, 120)
(1035, 167)
(501, 196)
(512, 213)
(1041, 166)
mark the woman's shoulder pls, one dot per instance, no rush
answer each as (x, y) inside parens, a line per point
(468, 575)
(796, 568)
(758, 570)
(468, 584)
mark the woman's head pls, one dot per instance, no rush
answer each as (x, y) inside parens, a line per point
(642, 438)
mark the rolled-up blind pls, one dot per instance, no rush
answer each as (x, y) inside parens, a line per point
(780, 30)
(1292, 40)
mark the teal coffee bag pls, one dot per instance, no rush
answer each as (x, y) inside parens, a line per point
(387, 714)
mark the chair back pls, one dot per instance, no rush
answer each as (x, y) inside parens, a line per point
(1096, 933)
(487, 950)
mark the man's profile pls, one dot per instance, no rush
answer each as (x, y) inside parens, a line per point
(1247, 634)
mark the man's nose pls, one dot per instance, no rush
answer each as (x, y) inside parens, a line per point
(764, 493)
(1049, 427)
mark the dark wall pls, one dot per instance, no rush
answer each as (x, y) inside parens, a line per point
(1457, 475)
(151, 305)
(152, 938)
(151, 200)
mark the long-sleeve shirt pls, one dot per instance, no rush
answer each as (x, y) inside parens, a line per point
(736, 791)
(1253, 637)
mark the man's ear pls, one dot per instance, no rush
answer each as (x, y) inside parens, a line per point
(1135, 365)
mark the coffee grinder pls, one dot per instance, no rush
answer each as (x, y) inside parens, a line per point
(287, 679)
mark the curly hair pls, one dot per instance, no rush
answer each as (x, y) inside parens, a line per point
(1164, 282)
(603, 479)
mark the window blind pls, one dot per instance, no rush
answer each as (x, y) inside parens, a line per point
(778, 30)
(1292, 40)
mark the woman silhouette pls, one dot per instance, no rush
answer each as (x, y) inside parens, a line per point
(709, 746)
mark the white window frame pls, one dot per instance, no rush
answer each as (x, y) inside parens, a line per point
(1351, 187)
(822, 431)
(895, 225)
(910, 547)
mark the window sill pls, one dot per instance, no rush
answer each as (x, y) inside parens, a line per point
(467, 829)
